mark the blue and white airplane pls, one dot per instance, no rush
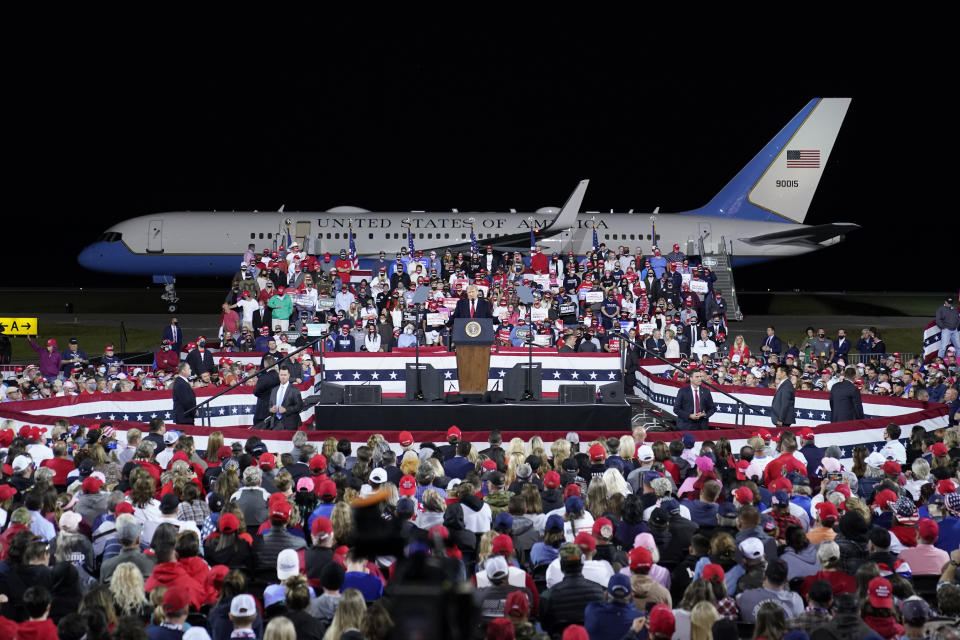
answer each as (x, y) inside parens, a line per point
(757, 216)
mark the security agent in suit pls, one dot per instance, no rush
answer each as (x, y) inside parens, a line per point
(173, 333)
(694, 405)
(285, 402)
(771, 344)
(845, 400)
(184, 399)
(781, 411)
(267, 381)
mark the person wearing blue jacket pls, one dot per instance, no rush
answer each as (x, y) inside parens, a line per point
(611, 619)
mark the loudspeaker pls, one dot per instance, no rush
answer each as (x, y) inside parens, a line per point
(493, 397)
(577, 393)
(364, 394)
(515, 381)
(331, 393)
(611, 393)
(431, 383)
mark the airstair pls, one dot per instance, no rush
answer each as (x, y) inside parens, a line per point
(715, 254)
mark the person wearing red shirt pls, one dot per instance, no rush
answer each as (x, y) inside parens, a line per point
(170, 573)
(60, 463)
(539, 262)
(39, 626)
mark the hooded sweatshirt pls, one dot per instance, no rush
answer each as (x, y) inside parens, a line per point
(886, 627)
(524, 533)
(801, 564)
(852, 541)
(168, 574)
(453, 520)
(37, 630)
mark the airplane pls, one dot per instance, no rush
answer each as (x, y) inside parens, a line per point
(757, 216)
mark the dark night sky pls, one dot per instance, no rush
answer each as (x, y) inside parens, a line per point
(438, 118)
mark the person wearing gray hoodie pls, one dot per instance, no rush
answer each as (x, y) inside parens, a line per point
(799, 555)
(524, 531)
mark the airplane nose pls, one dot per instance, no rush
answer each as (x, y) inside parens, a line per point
(89, 257)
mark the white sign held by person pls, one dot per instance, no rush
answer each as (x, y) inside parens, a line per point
(594, 296)
(646, 328)
(698, 286)
(685, 278)
(537, 314)
(451, 303)
(436, 319)
(542, 339)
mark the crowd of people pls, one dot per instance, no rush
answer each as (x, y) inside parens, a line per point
(621, 537)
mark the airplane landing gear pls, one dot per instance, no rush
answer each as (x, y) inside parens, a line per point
(170, 295)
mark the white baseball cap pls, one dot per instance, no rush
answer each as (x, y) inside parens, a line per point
(243, 605)
(378, 476)
(875, 460)
(496, 567)
(288, 565)
(752, 548)
(20, 463)
(645, 453)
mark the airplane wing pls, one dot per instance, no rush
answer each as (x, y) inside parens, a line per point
(811, 236)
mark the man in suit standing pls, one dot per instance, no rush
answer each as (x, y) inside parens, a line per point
(172, 333)
(771, 344)
(285, 402)
(845, 401)
(267, 381)
(694, 405)
(781, 411)
(656, 346)
(471, 306)
(184, 399)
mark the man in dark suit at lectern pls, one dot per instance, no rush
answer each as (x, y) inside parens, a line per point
(694, 405)
(472, 307)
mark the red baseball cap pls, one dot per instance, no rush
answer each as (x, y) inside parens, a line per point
(597, 453)
(881, 593)
(123, 507)
(946, 486)
(661, 620)
(806, 434)
(7, 492)
(781, 484)
(406, 438)
(92, 485)
(603, 528)
(280, 510)
(939, 449)
(585, 541)
(883, 498)
(267, 461)
(489, 465)
(452, 432)
(892, 467)
(929, 530)
(228, 523)
(502, 545)
(318, 462)
(176, 599)
(224, 452)
(322, 528)
(827, 511)
(572, 489)
(327, 489)
(843, 489)
(51, 342)
(517, 604)
(743, 495)
(407, 486)
(640, 558)
(551, 480)
(713, 573)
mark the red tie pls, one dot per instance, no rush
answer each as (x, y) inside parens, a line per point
(471, 308)
(696, 401)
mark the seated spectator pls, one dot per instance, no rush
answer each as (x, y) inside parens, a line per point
(925, 558)
(565, 603)
(644, 588)
(877, 611)
(611, 619)
(726, 606)
(828, 554)
(799, 555)
(770, 621)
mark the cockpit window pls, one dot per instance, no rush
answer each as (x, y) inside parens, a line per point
(109, 236)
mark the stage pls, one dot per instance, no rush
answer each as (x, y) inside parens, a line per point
(530, 417)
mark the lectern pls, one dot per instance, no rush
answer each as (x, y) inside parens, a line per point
(473, 337)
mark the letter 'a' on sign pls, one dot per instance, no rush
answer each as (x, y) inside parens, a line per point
(18, 326)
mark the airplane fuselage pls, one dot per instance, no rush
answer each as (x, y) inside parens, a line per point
(211, 243)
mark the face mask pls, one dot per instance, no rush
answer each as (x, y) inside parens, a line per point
(408, 330)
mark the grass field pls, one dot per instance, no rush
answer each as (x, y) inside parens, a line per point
(92, 339)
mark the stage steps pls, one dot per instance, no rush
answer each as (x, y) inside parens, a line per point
(715, 256)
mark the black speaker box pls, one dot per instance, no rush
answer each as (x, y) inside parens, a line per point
(611, 393)
(331, 393)
(493, 397)
(364, 394)
(431, 382)
(577, 393)
(515, 381)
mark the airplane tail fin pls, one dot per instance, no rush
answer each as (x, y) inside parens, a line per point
(778, 184)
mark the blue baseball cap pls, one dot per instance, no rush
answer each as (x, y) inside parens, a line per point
(573, 504)
(727, 510)
(619, 586)
(670, 505)
(503, 521)
(554, 523)
(688, 440)
(650, 476)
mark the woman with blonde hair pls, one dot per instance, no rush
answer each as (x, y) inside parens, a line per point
(627, 449)
(771, 622)
(176, 478)
(351, 614)
(280, 628)
(329, 447)
(341, 520)
(410, 465)
(739, 352)
(615, 483)
(596, 502)
(128, 595)
(517, 447)
(702, 617)
(485, 547)
(560, 450)
(514, 460)
(537, 448)
(214, 442)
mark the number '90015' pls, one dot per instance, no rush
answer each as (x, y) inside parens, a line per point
(788, 183)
